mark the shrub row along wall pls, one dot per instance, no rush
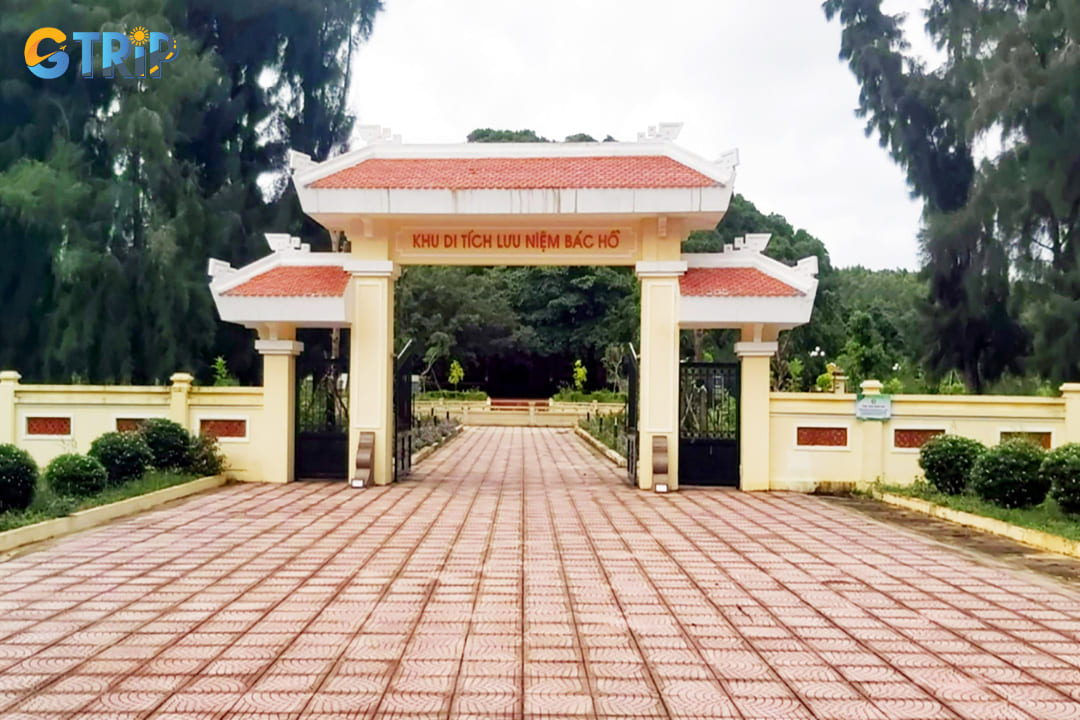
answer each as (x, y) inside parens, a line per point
(50, 420)
(815, 438)
(527, 413)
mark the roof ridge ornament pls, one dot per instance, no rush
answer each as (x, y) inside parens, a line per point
(283, 242)
(219, 270)
(751, 242)
(729, 161)
(298, 161)
(377, 135)
(668, 131)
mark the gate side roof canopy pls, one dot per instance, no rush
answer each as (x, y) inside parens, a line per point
(742, 286)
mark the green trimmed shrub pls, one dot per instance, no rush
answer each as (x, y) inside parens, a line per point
(947, 461)
(76, 475)
(18, 478)
(124, 455)
(1061, 471)
(204, 456)
(169, 443)
(1008, 475)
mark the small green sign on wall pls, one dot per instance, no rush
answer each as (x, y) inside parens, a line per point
(873, 407)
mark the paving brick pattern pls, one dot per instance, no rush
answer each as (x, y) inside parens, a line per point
(516, 576)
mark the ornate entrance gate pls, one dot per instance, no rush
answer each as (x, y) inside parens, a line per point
(403, 411)
(632, 390)
(322, 416)
(709, 424)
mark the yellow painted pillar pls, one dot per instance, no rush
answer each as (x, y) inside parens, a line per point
(371, 363)
(178, 398)
(1070, 393)
(659, 390)
(873, 439)
(9, 383)
(277, 438)
(754, 447)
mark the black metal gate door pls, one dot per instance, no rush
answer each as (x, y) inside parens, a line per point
(322, 419)
(632, 389)
(709, 424)
(403, 411)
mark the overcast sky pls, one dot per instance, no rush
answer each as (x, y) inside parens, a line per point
(758, 75)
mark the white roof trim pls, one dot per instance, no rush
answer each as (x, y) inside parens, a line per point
(300, 311)
(702, 206)
(732, 312)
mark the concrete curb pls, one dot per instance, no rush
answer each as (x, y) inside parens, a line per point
(92, 517)
(604, 450)
(1027, 536)
(425, 451)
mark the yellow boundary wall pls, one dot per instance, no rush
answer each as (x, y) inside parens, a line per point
(815, 438)
(49, 420)
(812, 439)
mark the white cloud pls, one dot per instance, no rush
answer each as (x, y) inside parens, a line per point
(762, 76)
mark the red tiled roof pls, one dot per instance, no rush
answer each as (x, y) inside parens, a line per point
(289, 281)
(632, 172)
(733, 282)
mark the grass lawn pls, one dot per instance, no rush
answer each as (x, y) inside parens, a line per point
(48, 505)
(1047, 517)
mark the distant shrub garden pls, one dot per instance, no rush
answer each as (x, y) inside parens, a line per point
(118, 465)
(452, 395)
(1016, 481)
(567, 394)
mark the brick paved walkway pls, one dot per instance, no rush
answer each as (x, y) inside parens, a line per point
(516, 576)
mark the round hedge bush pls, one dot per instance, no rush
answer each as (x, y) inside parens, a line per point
(1061, 471)
(947, 461)
(76, 475)
(124, 455)
(18, 478)
(205, 457)
(169, 443)
(1008, 475)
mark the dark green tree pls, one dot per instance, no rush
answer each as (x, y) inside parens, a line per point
(923, 117)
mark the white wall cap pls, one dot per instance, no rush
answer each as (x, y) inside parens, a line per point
(279, 347)
(756, 349)
(670, 268)
(370, 268)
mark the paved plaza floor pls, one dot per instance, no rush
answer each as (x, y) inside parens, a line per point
(515, 575)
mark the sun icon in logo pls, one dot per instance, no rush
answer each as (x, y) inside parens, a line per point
(139, 36)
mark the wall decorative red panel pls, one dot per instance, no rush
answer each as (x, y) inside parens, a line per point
(821, 436)
(128, 424)
(1042, 439)
(224, 428)
(910, 438)
(48, 426)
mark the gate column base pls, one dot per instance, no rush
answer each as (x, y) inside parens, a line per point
(754, 444)
(371, 365)
(279, 349)
(659, 408)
